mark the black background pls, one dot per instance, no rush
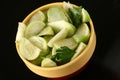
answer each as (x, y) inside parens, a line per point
(105, 62)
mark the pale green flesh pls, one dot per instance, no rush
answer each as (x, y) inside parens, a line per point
(40, 42)
(46, 31)
(61, 35)
(69, 42)
(79, 49)
(56, 13)
(59, 25)
(47, 62)
(54, 50)
(34, 28)
(28, 50)
(37, 61)
(39, 16)
(85, 16)
(20, 32)
(48, 38)
(82, 34)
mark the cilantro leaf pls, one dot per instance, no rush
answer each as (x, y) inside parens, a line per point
(63, 55)
(76, 15)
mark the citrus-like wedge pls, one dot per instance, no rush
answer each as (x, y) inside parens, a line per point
(40, 42)
(34, 28)
(56, 13)
(61, 35)
(47, 38)
(82, 34)
(54, 51)
(47, 62)
(59, 25)
(85, 16)
(46, 31)
(20, 32)
(69, 42)
(28, 50)
(79, 49)
(39, 16)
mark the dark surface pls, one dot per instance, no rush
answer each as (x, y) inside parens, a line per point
(105, 62)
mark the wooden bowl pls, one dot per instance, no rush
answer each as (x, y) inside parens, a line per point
(68, 68)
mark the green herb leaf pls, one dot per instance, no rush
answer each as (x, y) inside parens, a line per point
(63, 55)
(75, 15)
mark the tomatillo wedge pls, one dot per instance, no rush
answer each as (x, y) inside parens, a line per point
(28, 50)
(82, 34)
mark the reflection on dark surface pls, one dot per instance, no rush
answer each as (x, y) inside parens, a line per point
(104, 64)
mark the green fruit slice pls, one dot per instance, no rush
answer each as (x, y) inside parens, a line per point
(47, 38)
(39, 16)
(34, 28)
(40, 42)
(79, 49)
(20, 32)
(46, 31)
(69, 42)
(56, 13)
(47, 62)
(82, 34)
(28, 50)
(54, 51)
(61, 35)
(37, 61)
(59, 25)
(85, 16)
